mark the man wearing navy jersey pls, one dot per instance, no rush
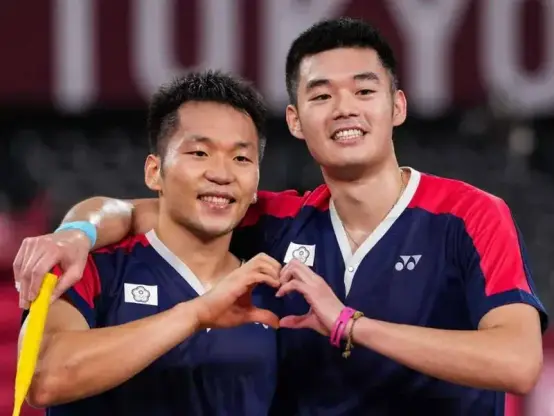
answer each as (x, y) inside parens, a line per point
(442, 313)
(169, 322)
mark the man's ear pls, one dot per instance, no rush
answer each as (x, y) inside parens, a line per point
(293, 121)
(400, 108)
(153, 172)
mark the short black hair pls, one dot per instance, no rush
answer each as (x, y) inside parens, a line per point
(205, 86)
(326, 35)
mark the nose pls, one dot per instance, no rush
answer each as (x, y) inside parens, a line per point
(346, 106)
(219, 172)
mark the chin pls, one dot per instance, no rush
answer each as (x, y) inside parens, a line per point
(216, 229)
(348, 163)
(355, 159)
(346, 170)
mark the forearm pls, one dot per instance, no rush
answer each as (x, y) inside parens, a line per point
(481, 358)
(79, 364)
(114, 218)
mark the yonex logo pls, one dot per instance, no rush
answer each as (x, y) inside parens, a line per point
(407, 262)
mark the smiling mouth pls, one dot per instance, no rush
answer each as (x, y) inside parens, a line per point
(217, 201)
(347, 135)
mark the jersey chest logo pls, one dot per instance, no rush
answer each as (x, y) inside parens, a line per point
(305, 253)
(407, 262)
(141, 294)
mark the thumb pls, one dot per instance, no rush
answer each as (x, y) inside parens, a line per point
(295, 321)
(263, 316)
(67, 280)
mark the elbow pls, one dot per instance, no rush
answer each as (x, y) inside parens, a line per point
(525, 375)
(43, 393)
(48, 387)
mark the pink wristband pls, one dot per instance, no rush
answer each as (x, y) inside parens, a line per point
(340, 326)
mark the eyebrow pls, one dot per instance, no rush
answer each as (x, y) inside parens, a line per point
(362, 76)
(195, 138)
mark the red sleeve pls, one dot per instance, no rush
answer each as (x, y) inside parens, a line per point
(496, 240)
(276, 204)
(84, 293)
(493, 257)
(286, 204)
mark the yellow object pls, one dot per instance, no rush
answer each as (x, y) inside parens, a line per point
(32, 338)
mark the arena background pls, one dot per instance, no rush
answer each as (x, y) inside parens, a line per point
(76, 75)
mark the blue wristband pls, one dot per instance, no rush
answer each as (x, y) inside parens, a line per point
(86, 227)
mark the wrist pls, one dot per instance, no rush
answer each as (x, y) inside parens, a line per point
(348, 329)
(195, 312)
(77, 237)
(349, 333)
(339, 330)
(82, 229)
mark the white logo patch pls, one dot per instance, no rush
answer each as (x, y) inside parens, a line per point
(141, 294)
(302, 252)
(407, 262)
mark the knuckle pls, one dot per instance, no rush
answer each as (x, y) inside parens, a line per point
(36, 273)
(16, 264)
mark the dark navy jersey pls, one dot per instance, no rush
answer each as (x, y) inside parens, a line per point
(214, 372)
(446, 255)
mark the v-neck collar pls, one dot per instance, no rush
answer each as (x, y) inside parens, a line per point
(180, 267)
(352, 260)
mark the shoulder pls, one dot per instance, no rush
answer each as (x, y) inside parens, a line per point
(125, 246)
(439, 195)
(110, 261)
(286, 204)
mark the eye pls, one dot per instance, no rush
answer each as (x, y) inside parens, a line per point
(242, 159)
(365, 92)
(321, 97)
(198, 153)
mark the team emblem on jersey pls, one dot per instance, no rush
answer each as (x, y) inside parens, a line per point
(141, 294)
(407, 262)
(302, 252)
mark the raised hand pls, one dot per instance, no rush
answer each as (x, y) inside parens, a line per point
(325, 306)
(229, 302)
(37, 255)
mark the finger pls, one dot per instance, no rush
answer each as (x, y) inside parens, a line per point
(17, 267)
(275, 264)
(67, 280)
(263, 316)
(295, 321)
(18, 261)
(268, 264)
(268, 269)
(286, 274)
(303, 272)
(296, 270)
(26, 270)
(292, 286)
(257, 278)
(43, 264)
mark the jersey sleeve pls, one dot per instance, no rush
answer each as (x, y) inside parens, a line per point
(85, 294)
(494, 260)
(266, 222)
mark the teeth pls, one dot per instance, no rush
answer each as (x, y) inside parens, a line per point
(216, 200)
(348, 134)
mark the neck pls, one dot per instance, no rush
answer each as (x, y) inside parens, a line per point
(364, 202)
(209, 259)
